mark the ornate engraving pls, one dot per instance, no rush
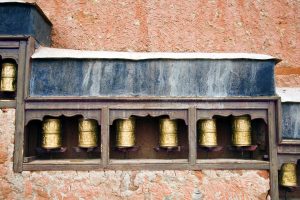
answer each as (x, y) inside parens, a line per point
(51, 140)
(51, 126)
(125, 132)
(51, 134)
(88, 133)
(8, 70)
(288, 175)
(88, 139)
(242, 123)
(87, 125)
(241, 138)
(7, 85)
(207, 133)
(168, 133)
(241, 127)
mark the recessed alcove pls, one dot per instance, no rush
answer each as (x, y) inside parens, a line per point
(226, 150)
(69, 135)
(8, 95)
(147, 141)
(292, 192)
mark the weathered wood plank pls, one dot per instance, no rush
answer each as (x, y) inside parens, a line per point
(62, 167)
(148, 161)
(136, 104)
(8, 103)
(192, 136)
(30, 51)
(272, 133)
(39, 114)
(19, 134)
(160, 99)
(105, 136)
(126, 113)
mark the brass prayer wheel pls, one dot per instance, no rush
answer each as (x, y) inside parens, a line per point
(8, 77)
(288, 176)
(125, 133)
(241, 131)
(168, 133)
(51, 134)
(207, 131)
(88, 133)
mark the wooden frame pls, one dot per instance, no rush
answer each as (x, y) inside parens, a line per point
(110, 108)
(124, 113)
(10, 49)
(288, 150)
(113, 108)
(20, 49)
(281, 140)
(35, 114)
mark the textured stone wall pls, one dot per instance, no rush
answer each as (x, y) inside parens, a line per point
(261, 26)
(135, 185)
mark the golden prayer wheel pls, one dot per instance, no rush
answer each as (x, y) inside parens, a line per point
(168, 133)
(51, 134)
(125, 133)
(207, 131)
(241, 131)
(8, 77)
(88, 133)
(288, 176)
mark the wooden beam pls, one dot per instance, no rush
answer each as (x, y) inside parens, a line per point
(192, 136)
(19, 133)
(272, 133)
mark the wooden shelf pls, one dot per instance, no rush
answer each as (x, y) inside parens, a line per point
(69, 137)
(8, 103)
(65, 161)
(148, 161)
(150, 166)
(62, 167)
(232, 164)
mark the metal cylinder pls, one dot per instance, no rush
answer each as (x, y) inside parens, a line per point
(7, 85)
(51, 134)
(125, 133)
(241, 131)
(8, 77)
(168, 136)
(207, 131)
(288, 176)
(88, 133)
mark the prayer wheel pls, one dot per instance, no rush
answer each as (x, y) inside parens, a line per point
(168, 133)
(288, 176)
(207, 131)
(125, 133)
(51, 134)
(88, 133)
(8, 77)
(241, 131)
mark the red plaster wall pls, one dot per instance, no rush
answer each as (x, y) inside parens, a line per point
(259, 26)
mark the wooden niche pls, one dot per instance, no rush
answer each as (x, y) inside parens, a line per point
(290, 192)
(8, 78)
(147, 136)
(69, 149)
(226, 149)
